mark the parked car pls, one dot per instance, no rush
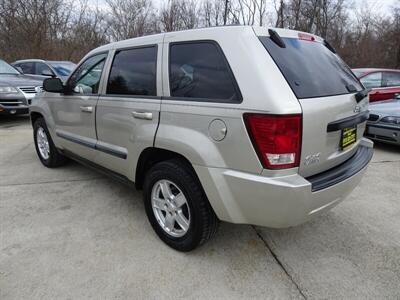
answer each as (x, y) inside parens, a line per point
(240, 124)
(48, 68)
(16, 90)
(384, 83)
(384, 121)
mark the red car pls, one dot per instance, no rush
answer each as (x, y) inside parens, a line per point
(384, 83)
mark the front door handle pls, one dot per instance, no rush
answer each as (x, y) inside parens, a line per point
(88, 109)
(142, 115)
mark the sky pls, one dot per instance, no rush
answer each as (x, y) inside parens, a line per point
(381, 6)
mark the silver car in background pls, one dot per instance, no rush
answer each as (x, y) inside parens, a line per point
(48, 68)
(384, 122)
(240, 124)
(16, 90)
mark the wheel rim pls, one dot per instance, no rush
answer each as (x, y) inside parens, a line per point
(170, 208)
(43, 143)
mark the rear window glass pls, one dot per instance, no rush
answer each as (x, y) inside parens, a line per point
(311, 69)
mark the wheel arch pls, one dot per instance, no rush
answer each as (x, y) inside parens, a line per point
(34, 116)
(151, 156)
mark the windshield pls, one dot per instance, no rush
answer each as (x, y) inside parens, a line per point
(63, 68)
(5, 68)
(311, 69)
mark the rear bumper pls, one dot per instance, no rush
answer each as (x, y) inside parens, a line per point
(280, 202)
(343, 171)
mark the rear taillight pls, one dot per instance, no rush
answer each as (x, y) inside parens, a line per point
(276, 139)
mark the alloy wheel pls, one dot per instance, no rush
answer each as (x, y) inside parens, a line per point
(170, 208)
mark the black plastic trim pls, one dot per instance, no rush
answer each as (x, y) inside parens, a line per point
(94, 146)
(76, 140)
(110, 151)
(348, 122)
(343, 171)
(361, 95)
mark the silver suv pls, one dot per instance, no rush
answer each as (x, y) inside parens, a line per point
(240, 124)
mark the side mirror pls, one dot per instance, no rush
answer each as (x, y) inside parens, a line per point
(48, 72)
(53, 85)
(20, 70)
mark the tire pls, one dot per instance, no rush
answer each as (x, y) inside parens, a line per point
(53, 158)
(200, 217)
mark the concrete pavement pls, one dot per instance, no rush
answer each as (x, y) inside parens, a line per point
(71, 233)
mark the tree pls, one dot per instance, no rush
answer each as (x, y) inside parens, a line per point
(179, 15)
(130, 18)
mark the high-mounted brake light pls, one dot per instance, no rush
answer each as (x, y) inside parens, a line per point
(306, 37)
(276, 139)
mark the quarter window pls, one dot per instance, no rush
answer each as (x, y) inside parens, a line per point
(199, 70)
(133, 72)
(86, 78)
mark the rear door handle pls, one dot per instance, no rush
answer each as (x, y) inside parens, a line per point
(142, 115)
(88, 109)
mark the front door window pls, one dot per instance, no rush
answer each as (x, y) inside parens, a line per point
(86, 78)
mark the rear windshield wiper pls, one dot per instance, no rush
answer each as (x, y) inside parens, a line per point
(276, 38)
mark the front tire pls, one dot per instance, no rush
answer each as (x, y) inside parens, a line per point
(177, 206)
(45, 148)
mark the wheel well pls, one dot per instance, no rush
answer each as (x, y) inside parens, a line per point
(151, 156)
(35, 116)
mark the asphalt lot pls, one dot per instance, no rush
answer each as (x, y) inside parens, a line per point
(71, 233)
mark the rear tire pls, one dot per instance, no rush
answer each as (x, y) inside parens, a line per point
(183, 218)
(45, 148)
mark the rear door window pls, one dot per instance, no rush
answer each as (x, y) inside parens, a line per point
(198, 71)
(311, 69)
(133, 72)
(373, 80)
